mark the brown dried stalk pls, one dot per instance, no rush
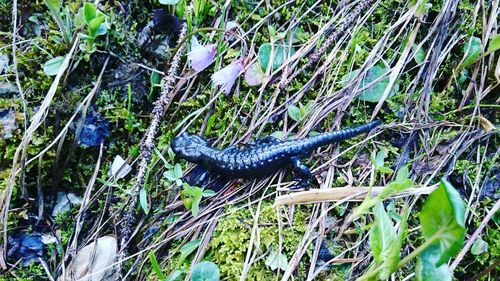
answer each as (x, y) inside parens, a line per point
(160, 107)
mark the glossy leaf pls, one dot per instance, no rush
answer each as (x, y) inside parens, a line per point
(427, 270)
(472, 50)
(375, 91)
(443, 219)
(205, 271)
(279, 52)
(52, 66)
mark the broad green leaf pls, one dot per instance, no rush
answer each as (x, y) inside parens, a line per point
(384, 242)
(187, 249)
(494, 44)
(294, 113)
(52, 66)
(277, 260)
(472, 50)
(169, 2)
(155, 265)
(143, 200)
(419, 55)
(427, 269)
(205, 271)
(53, 4)
(89, 12)
(280, 53)
(375, 91)
(480, 246)
(443, 218)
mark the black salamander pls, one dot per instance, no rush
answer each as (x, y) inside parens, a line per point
(264, 157)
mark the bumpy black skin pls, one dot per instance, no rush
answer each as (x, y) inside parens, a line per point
(263, 158)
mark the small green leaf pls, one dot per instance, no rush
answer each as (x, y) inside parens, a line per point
(280, 53)
(402, 174)
(169, 2)
(427, 270)
(419, 56)
(79, 20)
(278, 134)
(89, 12)
(379, 159)
(102, 29)
(178, 171)
(375, 91)
(205, 271)
(294, 113)
(176, 275)
(155, 265)
(443, 218)
(277, 260)
(384, 242)
(494, 44)
(208, 193)
(52, 66)
(195, 206)
(94, 25)
(472, 50)
(143, 200)
(385, 170)
(187, 249)
(169, 175)
(54, 4)
(254, 75)
(480, 246)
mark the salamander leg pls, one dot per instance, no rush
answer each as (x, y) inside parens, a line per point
(302, 172)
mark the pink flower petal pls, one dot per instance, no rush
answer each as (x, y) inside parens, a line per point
(228, 75)
(202, 56)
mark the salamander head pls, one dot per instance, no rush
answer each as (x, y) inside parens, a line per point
(189, 147)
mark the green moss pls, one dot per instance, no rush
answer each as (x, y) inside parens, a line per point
(231, 239)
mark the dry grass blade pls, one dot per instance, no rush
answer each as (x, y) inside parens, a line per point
(20, 153)
(355, 194)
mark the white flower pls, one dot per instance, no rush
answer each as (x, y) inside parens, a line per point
(227, 76)
(201, 56)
